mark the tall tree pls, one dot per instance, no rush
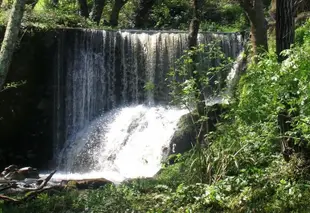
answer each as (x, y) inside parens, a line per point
(118, 4)
(194, 24)
(83, 8)
(142, 12)
(10, 38)
(254, 10)
(285, 25)
(301, 10)
(285, 30)
(97, 9)
(192, 43)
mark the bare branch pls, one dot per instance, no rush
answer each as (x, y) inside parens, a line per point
(33, 192)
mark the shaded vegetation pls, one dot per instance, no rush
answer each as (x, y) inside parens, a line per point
(165, 14)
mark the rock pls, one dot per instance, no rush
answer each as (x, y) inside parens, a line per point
(29, 172)
(184, 137)
(13, 173)
(9, 169)
(86, 183)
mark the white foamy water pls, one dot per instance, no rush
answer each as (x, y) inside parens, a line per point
(126, 143)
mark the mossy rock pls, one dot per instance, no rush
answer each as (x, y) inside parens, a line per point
(184, 137)
(94, 183)
(187, 128)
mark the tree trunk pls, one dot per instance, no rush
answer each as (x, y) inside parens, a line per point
(10, 38)
(254, 10)
(285, 28)
(142, 12)
(97, 10)
(192, 43)
(83, 8)
(115, 12)
(194, 25)
(193, 33)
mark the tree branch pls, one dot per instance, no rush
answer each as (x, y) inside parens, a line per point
(33, 192)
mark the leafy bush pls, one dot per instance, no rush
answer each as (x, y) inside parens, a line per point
(55, 18)
(303, 33)
(224, 17)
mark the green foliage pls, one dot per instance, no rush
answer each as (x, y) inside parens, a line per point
(67, 201)
(49, 18)
(55, 18)
(149, 86)
(4, 14)
(188, 77)
(216, 16)
(302, 33)
(268, 85)
(226, 17)
(108, 199)
(171, 15)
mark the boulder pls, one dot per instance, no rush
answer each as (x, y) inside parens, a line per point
(184, 137)
(86, 183)
(13, 173)
(9, 169)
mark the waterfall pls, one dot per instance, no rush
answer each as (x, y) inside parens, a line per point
(125, 143)
(110, 93)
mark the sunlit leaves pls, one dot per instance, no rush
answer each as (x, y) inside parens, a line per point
(190, 77)
(267, 85)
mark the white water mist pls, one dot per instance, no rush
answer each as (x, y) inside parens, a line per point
(128, 142)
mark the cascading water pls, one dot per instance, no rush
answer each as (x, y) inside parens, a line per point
(124, 143)
(98, 74)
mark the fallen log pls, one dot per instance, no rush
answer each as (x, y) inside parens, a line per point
(41, 186)
(8, 199)
(86, 183)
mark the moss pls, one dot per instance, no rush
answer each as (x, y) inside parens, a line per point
(184, 136)
(188, 126)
